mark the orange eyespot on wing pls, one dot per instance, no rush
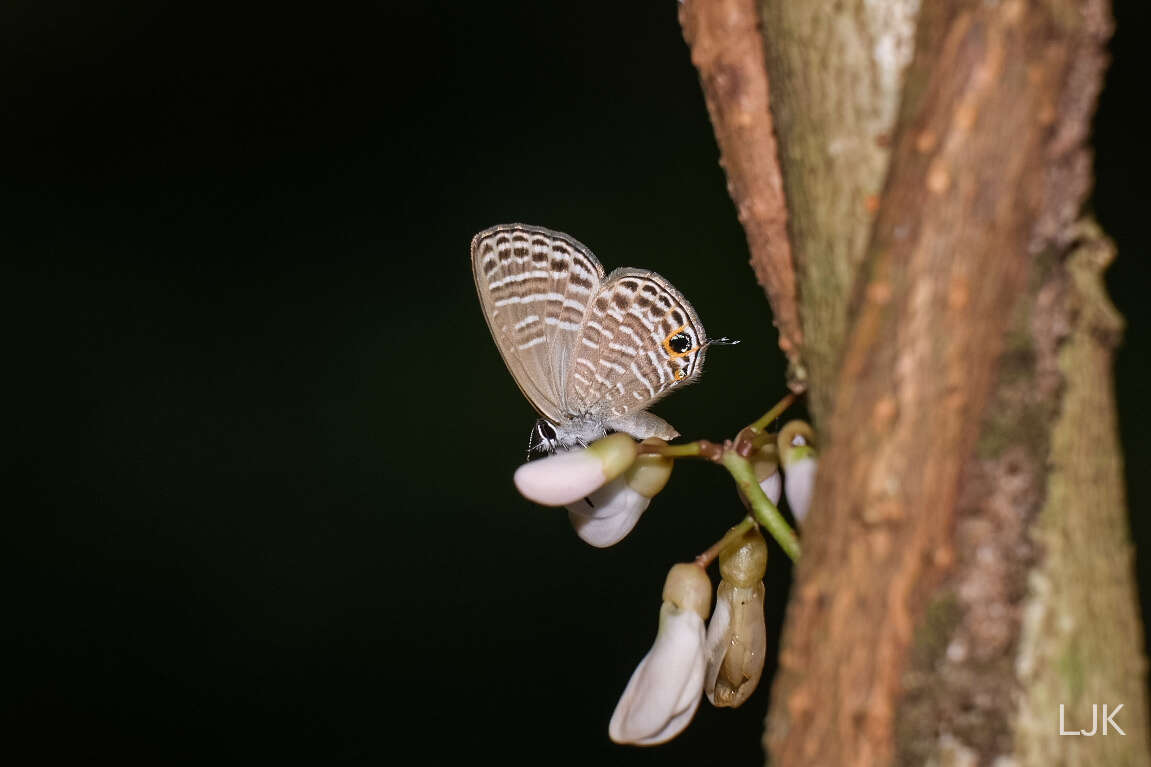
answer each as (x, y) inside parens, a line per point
(678, 344)
(639, 339)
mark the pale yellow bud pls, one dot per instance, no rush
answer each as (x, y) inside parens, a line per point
(737, 634)
(650, 473)
(743, 562)
(616, 452)
(688, 588)
(736, 644)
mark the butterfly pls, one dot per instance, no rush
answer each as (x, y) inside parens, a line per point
(591, 353)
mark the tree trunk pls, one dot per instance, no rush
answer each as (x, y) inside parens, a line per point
(966, 566)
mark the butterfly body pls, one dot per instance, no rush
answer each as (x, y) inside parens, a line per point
(577, 431)
(590, 352)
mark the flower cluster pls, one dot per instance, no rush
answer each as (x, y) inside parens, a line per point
(794, 450)
(724, 661)
(606, 487)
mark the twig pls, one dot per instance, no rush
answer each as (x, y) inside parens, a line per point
(764, 511)
(701, 448)
(751, 436)
(735, 533)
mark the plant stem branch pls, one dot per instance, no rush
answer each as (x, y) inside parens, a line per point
(751, 437)
(764, 511)
(699, 449)
(765, 420)
(735, 533)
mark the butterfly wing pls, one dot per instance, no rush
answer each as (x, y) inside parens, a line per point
(641, 339)
(534, 286)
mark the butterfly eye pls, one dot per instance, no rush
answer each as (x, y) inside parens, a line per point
(679, 343)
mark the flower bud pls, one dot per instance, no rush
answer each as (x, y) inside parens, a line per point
(736, 645)
(664, 691)
(744, 562)
(737, 633)
(564, 478)
(688, 588)
(604, 517)
(650, 473)
(800, 461)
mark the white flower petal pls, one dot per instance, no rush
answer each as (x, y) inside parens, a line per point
(606, 516)
(718, 642)
(663, 694)
(799, 484)
(565, 478)
(772, 487)
(677, 723)
(560, 479)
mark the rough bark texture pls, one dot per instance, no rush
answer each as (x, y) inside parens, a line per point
(836, 71)
(966, 568)
(727, 49)
(1040, 608)
(949, 255)
(1082, 640)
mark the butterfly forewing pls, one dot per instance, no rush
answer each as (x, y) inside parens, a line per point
(640, 340)
(534, 285)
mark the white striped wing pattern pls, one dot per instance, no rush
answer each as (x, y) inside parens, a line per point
(578, 345)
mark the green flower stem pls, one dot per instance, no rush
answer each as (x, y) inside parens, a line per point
(762, 508)
(772, 414)
(698, 449)
(734, 534)
(689, 450)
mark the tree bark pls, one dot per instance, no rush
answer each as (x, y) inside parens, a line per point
(966, 564)
(727, 49)
(836, 72)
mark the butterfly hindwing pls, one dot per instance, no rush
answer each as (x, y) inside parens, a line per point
(640, 339)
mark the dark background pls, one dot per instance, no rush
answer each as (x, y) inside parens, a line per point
(268, 439)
